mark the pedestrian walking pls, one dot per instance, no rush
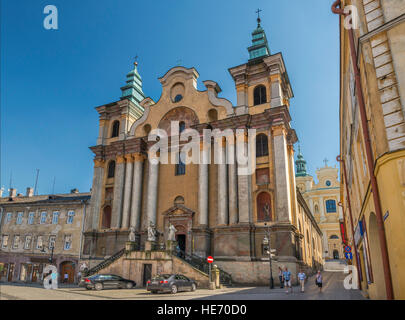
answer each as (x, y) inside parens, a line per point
(302, 277)
(318, 280)
(65, 278)
(280, 276)
(287, 279)
(79, 276)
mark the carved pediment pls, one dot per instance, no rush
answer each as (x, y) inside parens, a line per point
(179, 210)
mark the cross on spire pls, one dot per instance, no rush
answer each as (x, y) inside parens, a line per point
(258, 16)
(326, 162)
(136, 60)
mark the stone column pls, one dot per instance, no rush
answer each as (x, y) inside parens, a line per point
(203, 184)
(127, 191)
(223, 218)
(96, 193)
(136, 205)
(283, 198)
(244, 185)
(232, 183)
(151, 205)
(119, 181)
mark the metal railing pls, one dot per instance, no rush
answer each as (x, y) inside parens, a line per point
(105, 263)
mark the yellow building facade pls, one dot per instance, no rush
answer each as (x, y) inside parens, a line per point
(323, 199)
(374, 211)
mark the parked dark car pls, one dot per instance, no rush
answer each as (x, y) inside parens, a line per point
(106, 281)
(170, 283)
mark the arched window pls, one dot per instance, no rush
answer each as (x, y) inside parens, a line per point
(334, 236)
(330, 206)
(115, 129)
(212, 115)
(178, 98)
(263, 207)
(106, 219)
(259, 94)
(180, 167)
(262, 147)
(179, 200)
(182, 126)
(111, 169)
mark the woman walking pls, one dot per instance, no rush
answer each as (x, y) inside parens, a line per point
(318, 280)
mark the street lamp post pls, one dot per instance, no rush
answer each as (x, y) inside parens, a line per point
(267, 241)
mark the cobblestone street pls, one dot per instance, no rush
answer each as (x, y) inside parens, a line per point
(333, 290)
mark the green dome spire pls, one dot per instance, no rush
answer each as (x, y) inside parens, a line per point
(133, 89)
(260, 46)
(301, 164)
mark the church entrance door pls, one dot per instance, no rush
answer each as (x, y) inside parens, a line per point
(181, 241)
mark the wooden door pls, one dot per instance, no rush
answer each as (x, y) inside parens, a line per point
(67, 268)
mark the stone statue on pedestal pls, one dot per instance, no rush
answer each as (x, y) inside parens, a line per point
(172, 233)
(151, 232)
(131, 236)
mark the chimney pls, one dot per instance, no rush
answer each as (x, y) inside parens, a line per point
(13, 192)
(30, 192)
(75, 190)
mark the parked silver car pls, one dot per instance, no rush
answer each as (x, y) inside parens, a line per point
(172, 283)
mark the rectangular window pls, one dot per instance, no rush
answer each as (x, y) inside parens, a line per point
(31, 217)
(16, 241)
(5, 241)
(19, 218)
(52, 240)
(27, 243)
(8, 217)
(40, 242)
(43, 218)
(71, 215)
(55, 217)
(330, 206)
(68, 242)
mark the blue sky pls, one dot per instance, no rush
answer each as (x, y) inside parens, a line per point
(51, 80)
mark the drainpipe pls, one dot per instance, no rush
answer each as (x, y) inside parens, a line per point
(81, 235)
(349, 205)
(336, 8)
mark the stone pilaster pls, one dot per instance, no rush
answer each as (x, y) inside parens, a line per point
(203, 184)
(96, 193)
(322, 208)
(102, 131)
(137, 191)
(223, 218)
(283, 195)
(127, 191)
(119, 180)
(244, 186)
(232, 183)
(151, 205)
(276, 92)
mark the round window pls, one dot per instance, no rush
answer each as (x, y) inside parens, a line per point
(328, 183)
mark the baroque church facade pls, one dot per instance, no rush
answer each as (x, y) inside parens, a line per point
(215, 210)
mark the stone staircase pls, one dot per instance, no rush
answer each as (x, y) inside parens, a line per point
(129, 264)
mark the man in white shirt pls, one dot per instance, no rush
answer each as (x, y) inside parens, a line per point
(301, 278)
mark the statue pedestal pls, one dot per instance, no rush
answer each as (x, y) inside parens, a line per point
(171, 245)
(149, 245)
(130, 246)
